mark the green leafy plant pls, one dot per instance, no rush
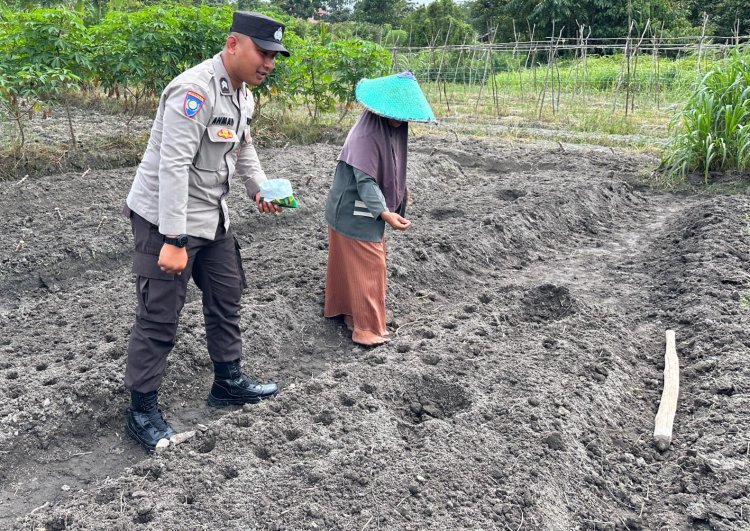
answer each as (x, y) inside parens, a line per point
(713, 130)
(319, 75)
(44, 53)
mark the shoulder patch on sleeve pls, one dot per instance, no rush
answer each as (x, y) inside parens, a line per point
(193, 103)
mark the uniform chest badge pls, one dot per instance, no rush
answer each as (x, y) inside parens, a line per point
(193, 103)
(225, 133)
(224, 84)
(279, 33)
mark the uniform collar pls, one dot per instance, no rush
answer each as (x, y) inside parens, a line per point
(221, 78)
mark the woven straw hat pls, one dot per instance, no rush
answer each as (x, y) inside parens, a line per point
(398, 97)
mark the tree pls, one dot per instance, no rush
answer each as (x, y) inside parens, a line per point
(381, 11)
(440, 22)
(338, 10)
(722, 15)
(486, 14)
(299, 8)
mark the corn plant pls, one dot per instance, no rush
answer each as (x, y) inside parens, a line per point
(712, 133)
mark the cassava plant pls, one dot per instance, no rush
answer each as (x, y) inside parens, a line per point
(43, 53)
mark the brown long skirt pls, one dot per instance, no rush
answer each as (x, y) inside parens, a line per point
(355, 282)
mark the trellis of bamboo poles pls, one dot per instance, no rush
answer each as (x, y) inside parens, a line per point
(716, 43)
(475, 61)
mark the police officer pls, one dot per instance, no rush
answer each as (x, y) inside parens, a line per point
(177, 206)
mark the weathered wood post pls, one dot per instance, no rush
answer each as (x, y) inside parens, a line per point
(668, 405)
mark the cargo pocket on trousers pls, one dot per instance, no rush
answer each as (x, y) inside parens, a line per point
(240, 269)
(157, 299)
(158, 292)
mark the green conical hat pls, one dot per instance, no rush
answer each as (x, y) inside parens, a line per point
(397, 96)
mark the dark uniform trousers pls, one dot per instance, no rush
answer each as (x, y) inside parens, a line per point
(216, 267)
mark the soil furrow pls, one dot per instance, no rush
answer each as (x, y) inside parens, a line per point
(527, 306)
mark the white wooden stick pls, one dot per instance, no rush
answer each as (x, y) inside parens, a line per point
(668, 404)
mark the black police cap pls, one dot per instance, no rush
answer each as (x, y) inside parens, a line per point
(265, 31)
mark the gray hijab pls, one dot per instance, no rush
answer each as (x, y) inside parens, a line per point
(376, 148)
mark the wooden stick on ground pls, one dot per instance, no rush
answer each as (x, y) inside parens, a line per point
(668, 404)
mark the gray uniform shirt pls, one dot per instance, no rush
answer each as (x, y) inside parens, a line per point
(199, 140)
(354, 204)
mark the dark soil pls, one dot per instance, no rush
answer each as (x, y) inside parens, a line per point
(528, 306)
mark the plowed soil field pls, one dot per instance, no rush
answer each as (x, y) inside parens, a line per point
(528, 306)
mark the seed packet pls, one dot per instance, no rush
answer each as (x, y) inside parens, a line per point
(278, 192)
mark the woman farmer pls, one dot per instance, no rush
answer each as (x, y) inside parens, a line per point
(368, 191)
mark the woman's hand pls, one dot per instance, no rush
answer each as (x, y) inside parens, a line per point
(395, 221)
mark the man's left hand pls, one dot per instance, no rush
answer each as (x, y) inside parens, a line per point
(265, 206)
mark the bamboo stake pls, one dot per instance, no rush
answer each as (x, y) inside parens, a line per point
(668, 405)
(556, 68)
(577, 60)
(442, 56)
(532, 50)
(586, 65)
(628, 56)
(622, 69)
(550, 70)
(658, 66)
(515, 58)
(486, 66)
(635, 64)
(546, 75)
(458, 64)
(703, 35)
(471, 65)
(736, 31)
(494, 77)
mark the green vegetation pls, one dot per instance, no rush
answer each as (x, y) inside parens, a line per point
(126, 51)
(134, 54)
(40, 58)
(713, 130)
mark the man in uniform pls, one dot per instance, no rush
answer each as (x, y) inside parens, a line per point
(177, 206)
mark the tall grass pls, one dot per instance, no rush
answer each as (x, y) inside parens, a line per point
(712, 132)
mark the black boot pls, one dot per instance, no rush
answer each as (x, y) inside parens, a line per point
(145, 421)
(232, 387)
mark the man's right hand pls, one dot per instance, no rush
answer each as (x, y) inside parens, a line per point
(173, 259)
(395, 221)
